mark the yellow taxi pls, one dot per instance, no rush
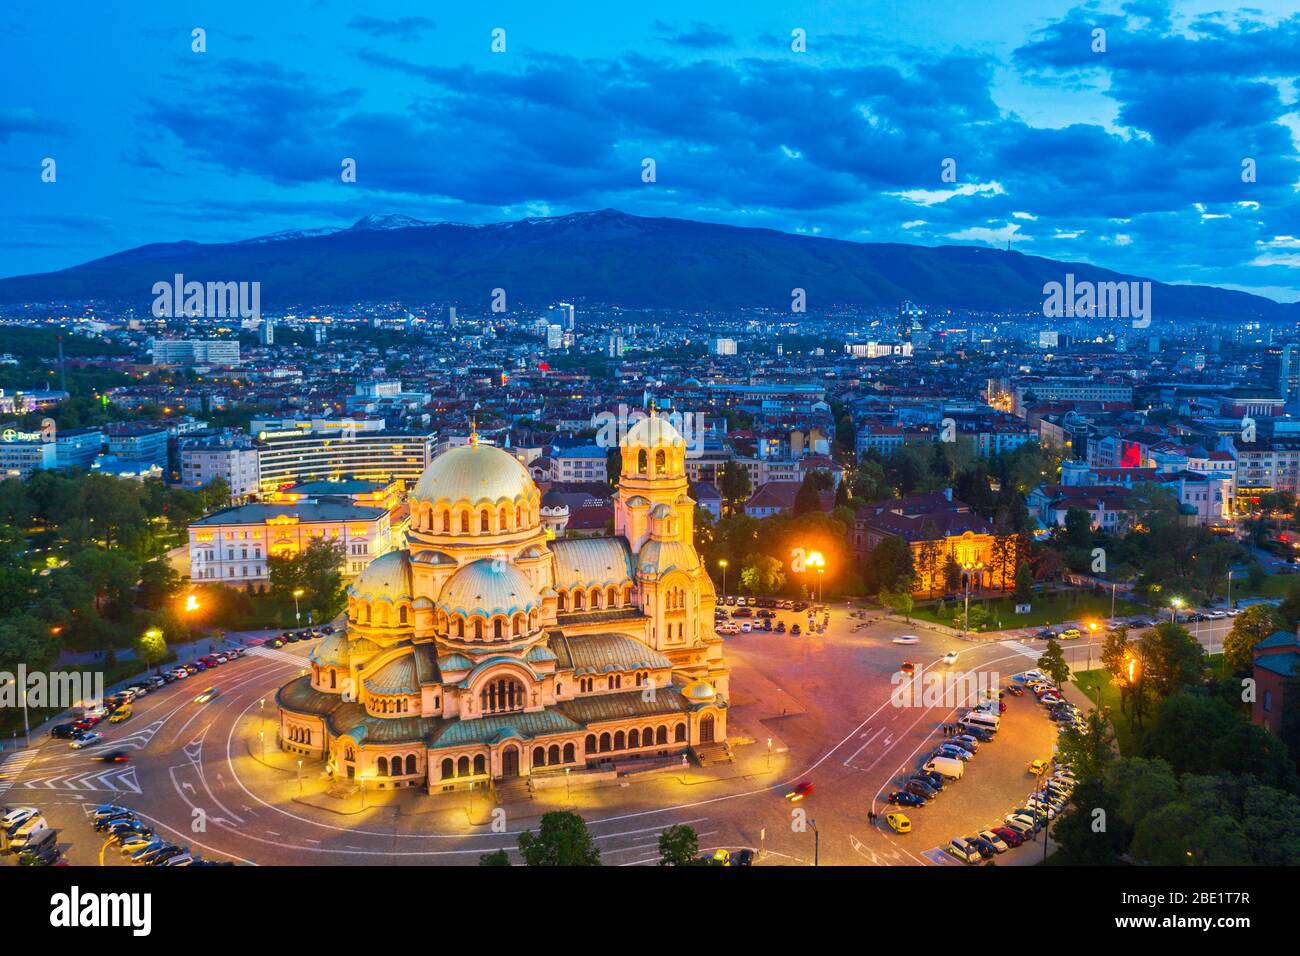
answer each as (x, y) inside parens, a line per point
(898, 822)
(1037, 767)
(119, 715)
(722, 857)
(1071, 634)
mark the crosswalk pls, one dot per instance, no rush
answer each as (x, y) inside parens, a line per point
(14, 765)
(278, 655)
(111, 780)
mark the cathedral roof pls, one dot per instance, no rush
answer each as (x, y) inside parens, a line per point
(498, 727)
(387, 578)
(332, 651)
(591, 562)
(660, 557)
(604, 653)
(474, 473)
(653, 432)
(395, 677)
(633, 703)
(489, 587)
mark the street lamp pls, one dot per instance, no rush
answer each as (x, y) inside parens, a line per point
(1174, 607)
(722, 563)
(300, 776)
(297, 615)
(817, 561)
(1092, 636)
(817, 843)
(966, 573)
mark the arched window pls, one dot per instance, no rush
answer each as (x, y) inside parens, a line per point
(679, 733)
(568, 752)
(480, 764)
(464, 522)
(334, 679)
(642, 462)
(401, 614)
(518, 628)
(661, 463)
(410, 763)
(611, 597)
(502, 695)
(661, 735)
(604, 743)
(539, 756)
(561, 601)
(446, 521)
(519, 517)
(647, 737)
(460, 627)
(589, 745)
(595, 598)
(633, 739)
(462, 766)
(498, 631)
(553, 754)
(484, 522)
(478, 629)
(504, 520)
(620, 740)
(383, 766)
(577, 600)
(365, 613)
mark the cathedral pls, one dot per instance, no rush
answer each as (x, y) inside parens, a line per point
(491, 649)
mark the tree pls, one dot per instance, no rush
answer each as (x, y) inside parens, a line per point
(1024, 583)
(889, 566)
(1248, 628)
(1078, 528)
(898, 600)
(158, 582)
(678, 846)
(151, 647)
(762, 575)
(808, 498)
(613, 465)
(562, 839)
(1052, 663)
(495, 858)
(1091, 750)
(1171, 658)
(735, 486)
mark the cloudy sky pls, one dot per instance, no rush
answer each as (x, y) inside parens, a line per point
(1130, 158)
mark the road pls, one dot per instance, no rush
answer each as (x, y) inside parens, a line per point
(816, 707)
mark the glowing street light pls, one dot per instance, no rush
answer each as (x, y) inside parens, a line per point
(1175, 605)
(722, 563)
(817, 561)
(191, 603)
(297, 614)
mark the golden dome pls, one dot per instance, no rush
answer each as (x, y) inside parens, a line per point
(488, 587)
(699, 692)
(474, 473)
(388, 577)
(653, 432)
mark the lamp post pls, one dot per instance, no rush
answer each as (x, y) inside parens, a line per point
(566, 784)
(297, 614)
(300, 776)
(817, 843)
(1092, 636)
(1174, 605)
(966, 573)
(722, 563)
(817, 561)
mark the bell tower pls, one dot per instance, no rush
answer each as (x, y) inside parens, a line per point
(653, 474)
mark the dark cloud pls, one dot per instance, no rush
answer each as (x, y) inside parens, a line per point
(698, 36)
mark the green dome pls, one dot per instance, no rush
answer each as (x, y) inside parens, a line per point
(488, 587)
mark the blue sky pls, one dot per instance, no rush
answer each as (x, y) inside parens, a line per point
(1130, 158)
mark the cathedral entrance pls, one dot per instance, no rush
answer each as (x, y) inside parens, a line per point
(510, 762)
(706, 729)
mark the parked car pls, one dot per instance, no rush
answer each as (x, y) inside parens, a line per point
(999, 845)
(64, 731)
(898, 822)
(963, 851)
(921, 788)
(1008, 836)
(904, 798)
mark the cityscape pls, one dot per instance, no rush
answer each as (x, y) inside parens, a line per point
(683, 438)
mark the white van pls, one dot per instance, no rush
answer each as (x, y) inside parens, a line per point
(30, 832)
(978, 718)
(950, 767)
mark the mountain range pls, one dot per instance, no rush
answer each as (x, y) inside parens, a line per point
(606, 257)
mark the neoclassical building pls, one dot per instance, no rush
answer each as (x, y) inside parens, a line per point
(490, 648)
